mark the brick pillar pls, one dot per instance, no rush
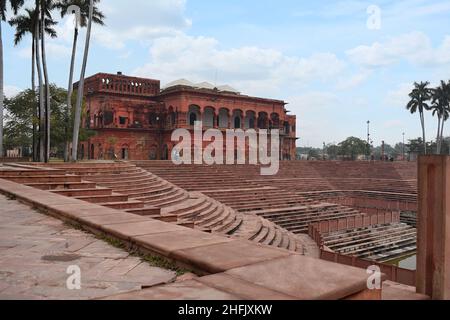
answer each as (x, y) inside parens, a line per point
(433, 257)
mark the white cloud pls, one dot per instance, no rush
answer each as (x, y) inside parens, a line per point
(399, 96)
(353, 81)
(252, 70)
(140, 20)
(11, 91)
(414, 47)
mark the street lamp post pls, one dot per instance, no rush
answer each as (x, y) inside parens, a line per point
(403, 147)
(368, 139)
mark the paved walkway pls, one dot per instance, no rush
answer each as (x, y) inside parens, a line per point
(36, 250)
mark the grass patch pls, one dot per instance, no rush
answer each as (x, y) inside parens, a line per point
(156, 261)
(152, 260)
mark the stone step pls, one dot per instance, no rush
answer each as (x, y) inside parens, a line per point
(43, 179)
(147, 211)
(62, 185)
(85, 193)
(104, 199)
(123, 205)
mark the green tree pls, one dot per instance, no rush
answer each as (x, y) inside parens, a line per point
(19, 120)
(15, 6)
(332, 151)
(26, 24)
(353, 147)
(419, 96)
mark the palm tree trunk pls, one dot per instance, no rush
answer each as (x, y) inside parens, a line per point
(1, 92)
(438, 137)
(77, 122)
(422, 120)
(47, 86)
(442, 134)
(69, 94)
(41, 90)
(33, 90)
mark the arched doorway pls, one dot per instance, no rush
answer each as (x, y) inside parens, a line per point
(125, 152)
(165, 153)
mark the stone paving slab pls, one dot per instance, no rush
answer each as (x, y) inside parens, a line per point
(186, 290)
(220, 257)
(304, 278)
(166, 243)
(394, 291)
(120, 217)
(34, 260)
(244, 289)
(127, 231)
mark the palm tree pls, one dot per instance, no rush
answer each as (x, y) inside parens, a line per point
(67, 7)
(46, 6)
(440, 109)
(42, 128)
(26, 24)
(420, 95)
(77, 122)
(15, 5)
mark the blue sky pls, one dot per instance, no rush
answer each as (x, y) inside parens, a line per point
(320, 56)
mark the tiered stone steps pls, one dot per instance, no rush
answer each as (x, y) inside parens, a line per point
(124, 186)
(378, 243)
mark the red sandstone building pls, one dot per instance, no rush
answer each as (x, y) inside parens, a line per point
(134, 119)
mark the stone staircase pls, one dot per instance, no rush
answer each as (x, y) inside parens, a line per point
(129, 188)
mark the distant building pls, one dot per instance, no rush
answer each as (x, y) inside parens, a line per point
(134, 119)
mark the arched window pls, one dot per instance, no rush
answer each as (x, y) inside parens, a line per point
(208, 117)
(250, 120)
(287, 128)
(192, 119)
(237, 122)
(237, 119)
(275, 119)
(193, 115)
(263, 120)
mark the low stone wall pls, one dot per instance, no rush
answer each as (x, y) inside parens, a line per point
(393, 273)
(354, 222)
(11, 160)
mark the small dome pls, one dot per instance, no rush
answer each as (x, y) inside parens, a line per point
(180, 82)
(227, 88)
(205, 85)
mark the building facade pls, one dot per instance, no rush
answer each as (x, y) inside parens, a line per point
(133, 119)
